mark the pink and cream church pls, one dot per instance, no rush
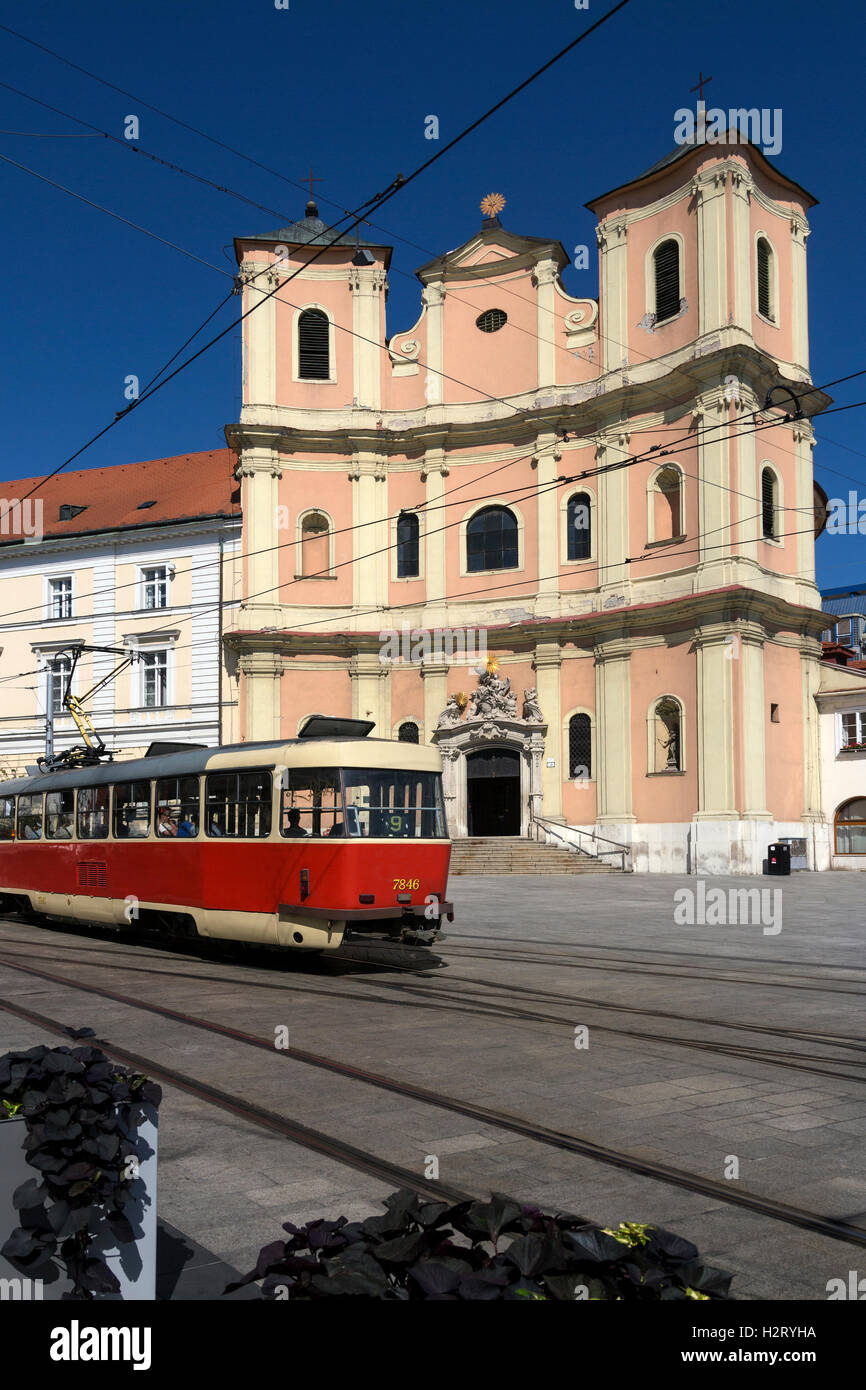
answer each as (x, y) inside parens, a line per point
(568, 541)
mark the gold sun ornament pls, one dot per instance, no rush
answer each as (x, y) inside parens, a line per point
(492, 204)
(492, 665)
(462, 699)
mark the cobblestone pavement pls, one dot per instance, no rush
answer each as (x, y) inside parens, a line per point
(709, 1047)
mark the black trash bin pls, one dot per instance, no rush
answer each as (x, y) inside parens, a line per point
(778, 859)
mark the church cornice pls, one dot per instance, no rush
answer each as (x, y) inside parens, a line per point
(587, 409)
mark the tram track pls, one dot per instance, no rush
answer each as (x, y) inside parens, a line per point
(447, 995)
(834, 1228)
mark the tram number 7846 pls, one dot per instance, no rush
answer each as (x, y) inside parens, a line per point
(407, 883)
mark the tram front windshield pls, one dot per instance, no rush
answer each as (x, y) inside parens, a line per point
(374, 803)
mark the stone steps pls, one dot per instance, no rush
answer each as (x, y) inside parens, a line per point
(513, 855)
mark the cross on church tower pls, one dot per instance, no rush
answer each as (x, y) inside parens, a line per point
(699, 88)
(309, 177)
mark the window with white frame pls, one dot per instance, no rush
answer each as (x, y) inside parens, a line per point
(853, 729)
(58, 669)
(60, 597)
(154, 586)
(154, 679)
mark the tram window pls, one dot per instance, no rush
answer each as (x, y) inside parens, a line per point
(30, 817)
(131, 810)
(177, 808)
(59, 815)
(311, 804)
(239, 805)
(7, 818)
(92, 819)
(394, 805)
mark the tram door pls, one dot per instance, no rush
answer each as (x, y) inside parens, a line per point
(493, 792)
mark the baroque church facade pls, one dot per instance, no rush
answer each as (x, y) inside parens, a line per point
(592, 528)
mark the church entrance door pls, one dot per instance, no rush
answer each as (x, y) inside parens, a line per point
(493, 792)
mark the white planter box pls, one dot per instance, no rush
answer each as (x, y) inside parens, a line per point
(134, 1265)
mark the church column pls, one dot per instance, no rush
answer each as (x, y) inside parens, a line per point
(433, 474)
(716, 797)
(370, 516)
(799, 298)
(613, 279)
(714, 497)
(435, 678)
(613, 577)
(260, 338)
(741, 192)
(262, 672)
(433, 298)
(613, 732)
(546, 460)
(709, 193)
(367, 285)
(544, 278)
(371, 692)
(548, 661)
(748, 646)
(803, 437)
(259, 472)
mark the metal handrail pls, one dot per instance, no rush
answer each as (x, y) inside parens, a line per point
(551, 828)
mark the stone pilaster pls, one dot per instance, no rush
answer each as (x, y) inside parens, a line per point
(613, 278)
(371, 691)
(716, 795)
(259, 472)
(613, 732)
(262, 673)
(367, 286)
(548, 661)
(708, 190)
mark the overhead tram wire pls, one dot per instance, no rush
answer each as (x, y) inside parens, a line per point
(528, 494)
(371, 204)
(221, 144)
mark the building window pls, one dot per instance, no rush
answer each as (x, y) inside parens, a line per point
(769, 505)
(666, 505)
(491, 320)
(666, 268)
(580, 747)
(667, 736)
(765, 278)
(853, 730)
(408, 528)
(315, 545)
(58, 676)
(491, 540)
(155, 586)
(7, 818)
(579, 520)
(314, 346)
(850, 826)
(60, 597)
(408, 732)
(154, 679)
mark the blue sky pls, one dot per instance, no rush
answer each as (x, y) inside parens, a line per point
(87, 301)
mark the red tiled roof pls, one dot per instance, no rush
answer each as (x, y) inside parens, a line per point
(182, 488)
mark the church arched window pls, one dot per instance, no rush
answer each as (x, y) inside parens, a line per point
(765, 269)
(407, 545)
(314, 346)
(579, 520)
(665, 500)
(315, 544)
(850, 827)
(492, 540)
(666, 269)
(408, 732)
(580, 746)
(769, 505)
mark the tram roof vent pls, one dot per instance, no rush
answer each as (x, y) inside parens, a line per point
(327, 726)
(159, 750)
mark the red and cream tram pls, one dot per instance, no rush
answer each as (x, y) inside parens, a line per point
(295, 844)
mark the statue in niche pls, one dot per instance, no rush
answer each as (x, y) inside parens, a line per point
(531, 707)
